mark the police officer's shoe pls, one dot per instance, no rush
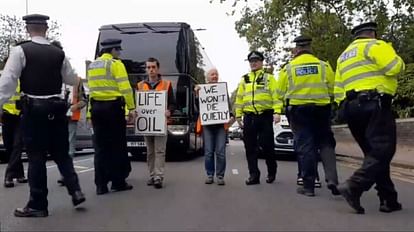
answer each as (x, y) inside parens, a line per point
(150, 182)
(388, 207)
(100, 190)
(29, 212)
(270, 179)
(61, 182)
(318, 183)
(352, 199)
(8, 183)
(334, 189)
(252, 181)
(123, 187)
(77, 198)
(299, 181)
(305, 191)
(22, 180)
(157, 183)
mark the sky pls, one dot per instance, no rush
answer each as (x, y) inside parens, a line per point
(80, 21)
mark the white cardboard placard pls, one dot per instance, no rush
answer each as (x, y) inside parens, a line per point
(151, 107)
(214, 105)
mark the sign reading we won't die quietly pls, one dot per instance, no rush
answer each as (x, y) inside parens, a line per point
(214, 106)
(151, 106)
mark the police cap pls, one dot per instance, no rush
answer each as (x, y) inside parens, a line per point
(370, 26)
(111, 43)
(36, 19)
(255, 55)
(302, 40)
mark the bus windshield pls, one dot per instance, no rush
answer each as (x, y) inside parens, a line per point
(182, 59)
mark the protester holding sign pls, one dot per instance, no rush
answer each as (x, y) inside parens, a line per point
(214, 116)
(156, 143)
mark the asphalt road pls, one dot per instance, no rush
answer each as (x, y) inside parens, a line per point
(186, 203)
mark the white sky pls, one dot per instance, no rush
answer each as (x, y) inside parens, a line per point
(80, 21)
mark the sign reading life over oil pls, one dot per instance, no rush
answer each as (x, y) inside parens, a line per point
(151, 106)
(214, 105)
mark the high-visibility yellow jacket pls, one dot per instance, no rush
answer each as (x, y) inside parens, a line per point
(256, 93)
(367, 64)
(10, 105)
(305, 80)
(108, 79)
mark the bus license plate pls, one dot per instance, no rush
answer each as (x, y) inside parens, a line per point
(136, 144)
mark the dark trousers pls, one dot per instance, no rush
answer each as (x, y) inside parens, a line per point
(372, 124)
(258, 134)
(313, 136)
(12, 138)
(111, 156)
(45, 130)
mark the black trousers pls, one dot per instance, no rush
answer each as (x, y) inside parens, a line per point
(313, 137)
(45, 131)
(111, 156)
(12, 138)
(372, 124)
(258, 134)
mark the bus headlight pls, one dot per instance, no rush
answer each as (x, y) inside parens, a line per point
(178, 129)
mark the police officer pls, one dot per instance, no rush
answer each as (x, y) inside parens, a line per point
(305, 86)
(41, 69)
(109, 92)
(13, 143)
(255, 102)
(367, 74)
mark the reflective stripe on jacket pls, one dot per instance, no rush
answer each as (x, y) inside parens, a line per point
(10, 105)
(305, 80)
(108, 79)
(367, 64)
(256, 93)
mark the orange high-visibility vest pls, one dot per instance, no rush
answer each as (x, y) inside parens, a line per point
(75, 99)
(162, 85)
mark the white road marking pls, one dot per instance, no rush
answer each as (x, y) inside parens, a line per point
(74, 162)
(80, 167)
(235, 171)
(87, 170)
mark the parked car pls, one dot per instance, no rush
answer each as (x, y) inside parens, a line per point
(283, 136)
(235, 132)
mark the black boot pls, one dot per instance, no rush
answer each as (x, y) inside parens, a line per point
(252, 181)
(8, 183)
(78, 198)
(351, 197)
(389, 206)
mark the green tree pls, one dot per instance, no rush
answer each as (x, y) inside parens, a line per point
(13, 31)
(273, 24)
(404, 99)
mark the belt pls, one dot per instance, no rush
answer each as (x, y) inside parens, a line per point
(259, 113)
(366, 95)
